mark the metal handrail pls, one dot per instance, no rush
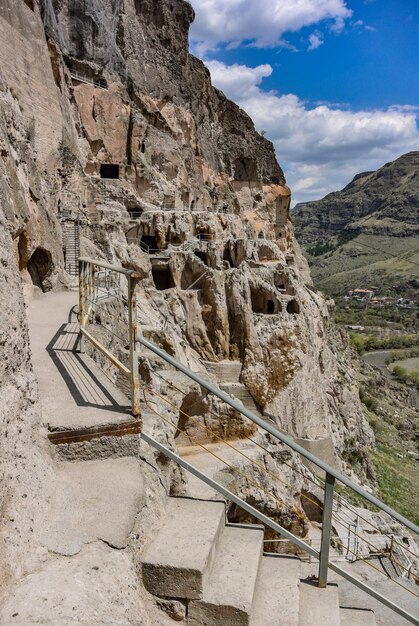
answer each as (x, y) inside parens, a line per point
(89, 81)
(232, 497)
(87, 295)
(278, 435)
(87, 278)
(331, 475)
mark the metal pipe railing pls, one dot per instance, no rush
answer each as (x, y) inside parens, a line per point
(87, 276)
(232, 497)
(278, 435)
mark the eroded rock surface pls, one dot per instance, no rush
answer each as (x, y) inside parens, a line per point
(107, 122)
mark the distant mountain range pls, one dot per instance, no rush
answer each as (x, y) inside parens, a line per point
(367, 233)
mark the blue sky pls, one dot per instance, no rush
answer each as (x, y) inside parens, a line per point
(334, 83)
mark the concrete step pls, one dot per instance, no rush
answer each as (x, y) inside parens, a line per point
(357, 617)
(276, 595)
(229, 591)
(319, 607)
(178, 561)
(239, 391)
(225, 371)
(92, 500)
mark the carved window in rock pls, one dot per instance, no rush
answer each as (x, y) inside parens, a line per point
(264, 302)
(135, 212)
(175, 239)
(204, 235)
(162, 278)
(293, 307)
(148, 244)
(227, 256)
(109, 170)
(202, 255)
(270, 307)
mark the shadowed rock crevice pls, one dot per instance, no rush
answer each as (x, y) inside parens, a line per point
(40, 268)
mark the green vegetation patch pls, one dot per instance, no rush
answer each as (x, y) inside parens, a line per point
(391, 317)
(406, 376)
(363, 261)
(398, 480)
(368, 343)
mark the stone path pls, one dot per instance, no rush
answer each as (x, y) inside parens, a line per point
(74, 392)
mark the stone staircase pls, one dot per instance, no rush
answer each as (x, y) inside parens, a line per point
(220, 573)
(71, 244)
(225, 371)
(227, 374)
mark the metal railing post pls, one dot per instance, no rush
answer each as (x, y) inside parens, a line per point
(82, 344)
(133, 349)
(326, 529)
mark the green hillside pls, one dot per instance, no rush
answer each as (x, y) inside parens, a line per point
(367, 234)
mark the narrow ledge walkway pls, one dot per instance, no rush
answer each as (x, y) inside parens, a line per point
(74, 392)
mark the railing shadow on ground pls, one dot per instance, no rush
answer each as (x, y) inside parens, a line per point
(84, 386)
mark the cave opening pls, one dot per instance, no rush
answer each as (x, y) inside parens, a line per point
(204, 235)
(40, 267)
(148, 243)
(261, 235)
(22, 247)
(293, 307)
(245, 169)
(135, 212)
(227, 256)
(176, 239)
(202, 255)
(263, 302)
(109, 170)
(162, 277)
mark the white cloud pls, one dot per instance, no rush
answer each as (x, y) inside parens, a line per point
(323, 147)
(262, 22)
(315, 40)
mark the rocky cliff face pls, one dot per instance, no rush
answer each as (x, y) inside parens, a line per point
(381, 203)
(232, 279)
(365, 234)
(108, 122)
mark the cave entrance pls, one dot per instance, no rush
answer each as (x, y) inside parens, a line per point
(135, 212)
(148, 244)
(245, 169)
(109, 170)
(263, 302)
(202, 255)
(40, 267)
(162, 277)
(204, 235)
(227, 256)
(22, 247)
(176, 240)
(293, 307)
